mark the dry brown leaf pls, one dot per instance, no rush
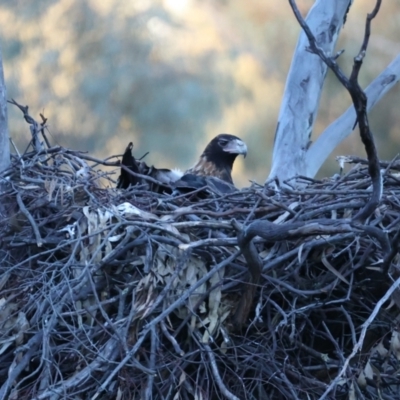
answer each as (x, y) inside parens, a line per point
(352, 392)
(144, 295)
(89, 317)
(381, 349)
(368, 371)
(347, 213)
(391, 304)
(214, 303)
(50, 187)
(198, 395)
(3, 301)
(105, 217)
(14, 395)
(332, 269)
(78, 307)
(3, 280)
(395, 344)
(299, 253)
(116, 238)
(107, 249)
(6, 310)
(6, 343)
(182, 379)
(22, 326)
(286, 214)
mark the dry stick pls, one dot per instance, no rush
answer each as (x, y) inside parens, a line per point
(28, 215)
(102, 311)
(360, 104)
(272, 233)
(388, 165)
(148, 395)
(44, 359)
(360, 342)
(33, 127)
(17, 367)
(172, 340)
(392, 253)
(360, 101)
(351, 324)
(209, 242)
(107, 353)
(254, 266)
(224, 390)
(147, 328)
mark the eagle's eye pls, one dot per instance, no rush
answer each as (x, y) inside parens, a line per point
(223, 142)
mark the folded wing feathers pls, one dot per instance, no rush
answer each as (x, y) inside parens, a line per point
(126, 179)
(167, 175)
(205, 173)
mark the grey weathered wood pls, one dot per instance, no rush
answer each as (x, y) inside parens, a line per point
(302, 94)
(4, 135)
(343, 126)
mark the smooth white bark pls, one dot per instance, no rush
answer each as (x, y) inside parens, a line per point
(336, 132)
(303, 90)
(4, 135)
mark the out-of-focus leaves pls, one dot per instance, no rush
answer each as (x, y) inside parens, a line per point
(169, 75)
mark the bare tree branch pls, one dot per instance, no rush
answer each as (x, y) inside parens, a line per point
(303, 89)
(336, 132)
(34, 127)
(360, 341)
(359, 100)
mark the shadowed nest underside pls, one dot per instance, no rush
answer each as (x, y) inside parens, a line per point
(132, 294)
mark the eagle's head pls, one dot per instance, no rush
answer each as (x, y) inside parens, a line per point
(226, 148)
(218, 157)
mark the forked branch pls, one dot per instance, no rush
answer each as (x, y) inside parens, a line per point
(359, 100)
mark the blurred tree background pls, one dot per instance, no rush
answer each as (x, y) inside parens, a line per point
(169, 75)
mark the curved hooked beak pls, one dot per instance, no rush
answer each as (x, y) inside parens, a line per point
(236, 146)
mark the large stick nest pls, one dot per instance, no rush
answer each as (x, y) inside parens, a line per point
(131, 294)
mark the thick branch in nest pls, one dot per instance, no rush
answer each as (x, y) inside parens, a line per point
(136, 292)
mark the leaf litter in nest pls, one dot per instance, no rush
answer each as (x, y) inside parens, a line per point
(302, 296)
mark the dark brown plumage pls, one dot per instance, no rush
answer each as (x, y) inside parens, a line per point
(212, 171)
(126, 179)
(218, 157)
(140, 170)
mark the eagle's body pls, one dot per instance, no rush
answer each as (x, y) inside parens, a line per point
(213, 169)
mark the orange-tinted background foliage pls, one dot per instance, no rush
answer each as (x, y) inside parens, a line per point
(170, 74)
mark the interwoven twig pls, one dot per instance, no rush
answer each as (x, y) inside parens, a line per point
(108, 293)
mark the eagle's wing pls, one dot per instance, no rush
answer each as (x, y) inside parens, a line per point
(164, 176)
(191, 182)
(125, 179)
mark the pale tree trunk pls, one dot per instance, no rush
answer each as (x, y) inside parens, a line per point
(293, 153)
(304, 84)
(4, 135)
(336, 132)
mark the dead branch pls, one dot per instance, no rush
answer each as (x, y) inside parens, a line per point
(137, 293)
(359, 100)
